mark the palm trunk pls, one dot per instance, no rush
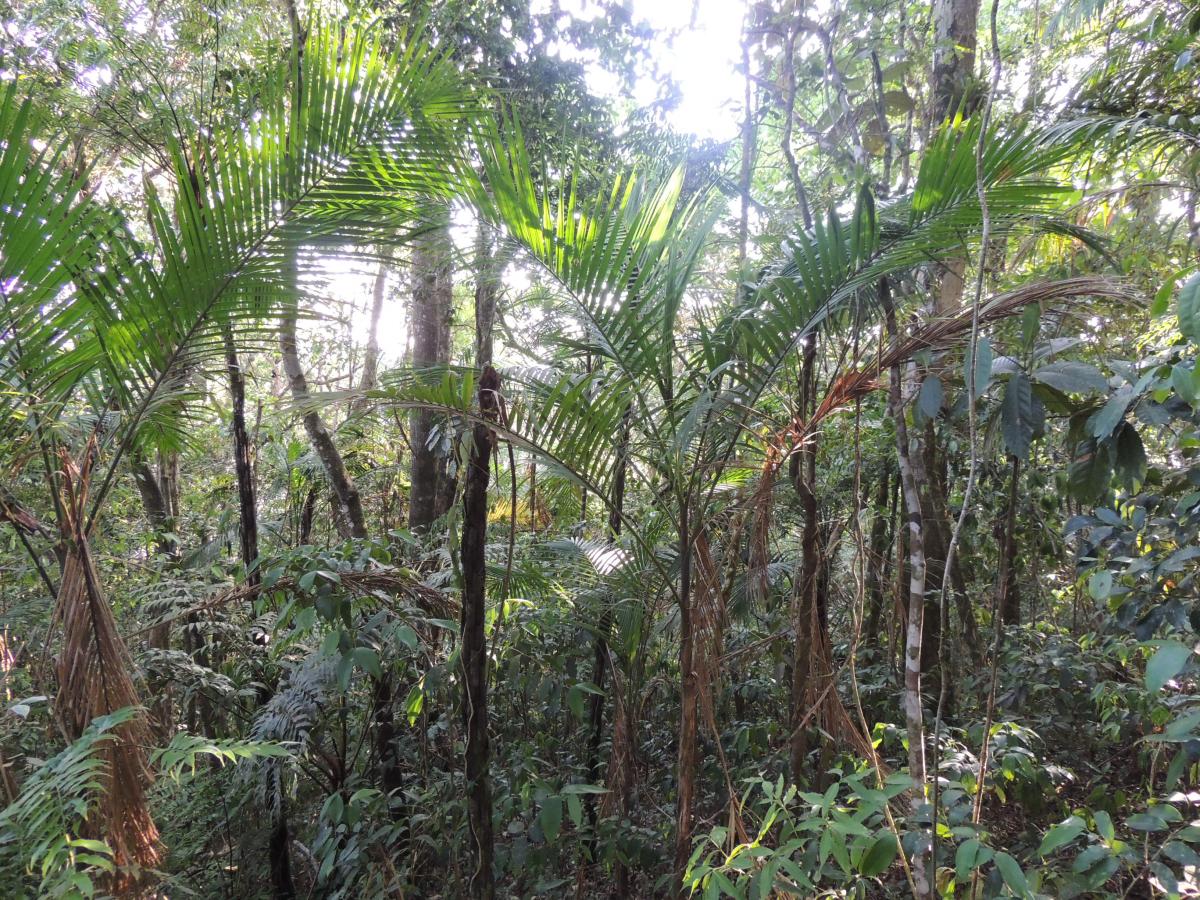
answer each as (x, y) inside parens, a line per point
(352, 520)
(474, 644)
(247, 507)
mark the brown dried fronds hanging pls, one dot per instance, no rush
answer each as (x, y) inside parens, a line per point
(94, 679)
(938, 334)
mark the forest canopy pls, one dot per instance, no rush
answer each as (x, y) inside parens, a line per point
(546, 448)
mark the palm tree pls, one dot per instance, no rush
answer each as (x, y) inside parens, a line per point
(689, 378)
(94, 319)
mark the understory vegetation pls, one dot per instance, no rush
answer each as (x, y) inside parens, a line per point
(428, 469)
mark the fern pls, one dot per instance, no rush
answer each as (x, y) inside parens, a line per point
(41, 833)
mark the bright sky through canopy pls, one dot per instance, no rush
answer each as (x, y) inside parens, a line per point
(698, 48)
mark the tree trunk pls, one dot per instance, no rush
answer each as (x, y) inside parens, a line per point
(689, 701)
(370, 372)
(474, 644)
(247, 507)
(353, 522)
(600, 649)
(955, 23)
(804, 478)
(913, 713)
(1008, 596)
(487, 289)
(877, 559)
(432, 308)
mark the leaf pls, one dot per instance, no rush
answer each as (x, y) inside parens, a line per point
(1013, 875)
(368, 660)
(978, 365)
(1102, 423)
(583, 789)
(1071, 377)
(1016, 415)
(1131, 464)
(1090, 470)
(1189, 309)
(1167, 662)
(880, 855)
(1060, 834)
(1100, 585)
(551, 816)
(931, 397)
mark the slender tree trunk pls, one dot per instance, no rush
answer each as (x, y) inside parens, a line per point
(689, 702)
(430, 329)
(877, 561)
(804, 478)
(344, 490)
(913, 712)
(600, 650)
(279, 855)
(1008, 596)
(247, 507)
(487, 289)
(370, 373)
(474, 644)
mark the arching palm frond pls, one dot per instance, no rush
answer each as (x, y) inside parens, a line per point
(348, 145)
(624, 252)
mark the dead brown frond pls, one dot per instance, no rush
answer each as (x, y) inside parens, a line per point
(937, 334)
(94, 679)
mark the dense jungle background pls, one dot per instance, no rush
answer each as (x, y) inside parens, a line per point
(586, 448)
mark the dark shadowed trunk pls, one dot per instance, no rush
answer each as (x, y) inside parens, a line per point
(689, 708)
(877, 569)
(474, 644)
(600, 655)
(803, 469)
(432, 309)
(1008, 595)
(247, 507)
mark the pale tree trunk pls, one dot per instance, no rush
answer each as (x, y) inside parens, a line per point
(370, 372)
(351, 518)
(955, 23)
(913, 712)
(432, 308)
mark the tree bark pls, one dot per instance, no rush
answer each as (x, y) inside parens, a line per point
(474, 644)
(370, 373)
(913, 712)
(1008, 596)
(353, 522)
(955, 23)
(432, 308)
(804, 478)
(600, 648)
(247, 506)
(688, 714)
